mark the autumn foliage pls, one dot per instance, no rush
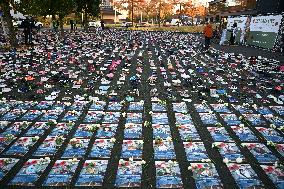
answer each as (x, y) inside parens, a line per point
(152, 9)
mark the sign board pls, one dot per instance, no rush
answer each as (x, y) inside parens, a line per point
(264, 30)
(269, 23)
(242, 24)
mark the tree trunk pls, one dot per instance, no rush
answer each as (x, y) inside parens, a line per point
(61, 25)
(132, 13)
(11, 30)
(159, 14)
(52, 18)
(85, 20)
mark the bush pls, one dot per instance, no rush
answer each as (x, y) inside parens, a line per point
(190, 29)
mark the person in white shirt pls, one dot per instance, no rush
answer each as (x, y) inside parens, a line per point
(242, 38)
(224, 36)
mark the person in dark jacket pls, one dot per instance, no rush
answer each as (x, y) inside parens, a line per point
(31, 26)
(233, 34)
(27, 25)
(72, 24)
(102, 25)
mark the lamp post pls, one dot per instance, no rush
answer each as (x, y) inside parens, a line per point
(181, 4)
(102, 14)
(114, 16)
(132, 12)
(159, 13)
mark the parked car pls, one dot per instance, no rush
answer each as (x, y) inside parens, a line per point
(15, 24)
(39, 24)
(126, 24)
(18, 24)
(176, 22)
(143, 24)
(166, 24)
(94, 23)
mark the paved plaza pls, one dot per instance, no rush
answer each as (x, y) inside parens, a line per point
(139, 109)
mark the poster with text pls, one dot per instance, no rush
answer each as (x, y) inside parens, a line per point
(242, 24)
(264, 30)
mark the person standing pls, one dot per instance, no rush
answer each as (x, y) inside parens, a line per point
(233, 34)
(224, 35)
(28, 27)
(75, 24)
(208, 33)
(72, 24)
(242, 38)
(57, 25)
(102, 25)
(25, 25)
(31, 26)
(54, 25)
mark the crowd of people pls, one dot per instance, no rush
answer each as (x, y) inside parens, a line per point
(29, 24)
(223, 35)
(220, 34)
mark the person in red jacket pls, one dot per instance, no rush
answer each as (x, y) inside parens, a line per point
(208, 33)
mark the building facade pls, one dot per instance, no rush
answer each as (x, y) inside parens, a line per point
(108, 14)
(219, 9)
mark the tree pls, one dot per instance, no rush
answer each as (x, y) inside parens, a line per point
(200, 11)
(166, 10)
(146, 9)
(189, 9)
(47, 7)
(63, 8)
(130, 6)
(91, 7)
(6, 6)
(32, 7)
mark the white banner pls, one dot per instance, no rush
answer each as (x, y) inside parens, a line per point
(241, 22)
(269, 23)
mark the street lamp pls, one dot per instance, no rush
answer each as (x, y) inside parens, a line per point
(101, 9)
(159, 13)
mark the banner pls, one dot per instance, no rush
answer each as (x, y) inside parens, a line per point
(241, 27)
(264, 30)
(269, 23)
(241, 22)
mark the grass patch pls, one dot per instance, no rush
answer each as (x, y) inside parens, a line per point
(190, 29)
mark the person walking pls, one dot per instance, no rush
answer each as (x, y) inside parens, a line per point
(233, 34)
(208, 33)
